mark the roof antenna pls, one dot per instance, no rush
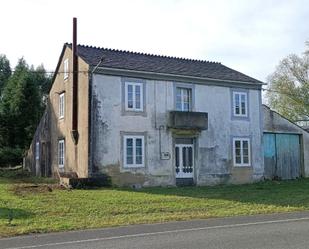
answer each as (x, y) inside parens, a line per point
(99, 63)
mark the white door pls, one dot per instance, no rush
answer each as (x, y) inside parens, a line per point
(184, 162)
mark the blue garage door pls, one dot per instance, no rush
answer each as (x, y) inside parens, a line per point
(282, 156)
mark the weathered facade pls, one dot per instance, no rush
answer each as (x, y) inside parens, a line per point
(213, 148)
(76, 155)
(55, 126)
(153, 121)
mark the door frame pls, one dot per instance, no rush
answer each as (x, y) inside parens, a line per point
(188, 180)
(181, 174)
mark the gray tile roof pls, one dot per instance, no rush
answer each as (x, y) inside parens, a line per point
(160, 64)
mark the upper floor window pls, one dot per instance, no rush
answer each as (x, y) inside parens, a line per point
(66, 69)
(133, 96)
(241, 151)
(183, 99)
(61, 153)
(240, 104)
(61, 105)
(134, 151)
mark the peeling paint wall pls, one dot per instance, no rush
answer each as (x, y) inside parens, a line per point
(213, 147)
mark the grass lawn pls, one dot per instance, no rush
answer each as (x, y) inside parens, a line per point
(25, 208)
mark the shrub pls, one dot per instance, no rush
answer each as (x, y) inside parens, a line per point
(10, 156)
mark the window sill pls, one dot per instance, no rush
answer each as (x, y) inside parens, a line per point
(134, 113)
(242, 166)
(134, 167)
(134, 110)
(241, 118)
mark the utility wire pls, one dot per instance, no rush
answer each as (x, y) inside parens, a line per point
(86, 71)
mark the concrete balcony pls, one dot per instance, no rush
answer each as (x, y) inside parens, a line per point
(188, 120)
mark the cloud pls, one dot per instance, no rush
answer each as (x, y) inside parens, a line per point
(250, 36)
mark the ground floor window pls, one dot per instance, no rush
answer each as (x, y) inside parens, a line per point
(61, 153)
(37, 150)
(134, 148)
(241, 151)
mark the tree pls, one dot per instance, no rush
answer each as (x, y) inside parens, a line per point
(288, 87)
(21, 109)
(5, 71)
(43, 80)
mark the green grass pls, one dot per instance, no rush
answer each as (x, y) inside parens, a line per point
(36, 210)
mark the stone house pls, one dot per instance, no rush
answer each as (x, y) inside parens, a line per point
(149, 120)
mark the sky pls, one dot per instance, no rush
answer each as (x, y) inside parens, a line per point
(249, 36)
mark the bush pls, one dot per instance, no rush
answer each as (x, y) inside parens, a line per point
(10, 156)
(18, 173)
(92, 182)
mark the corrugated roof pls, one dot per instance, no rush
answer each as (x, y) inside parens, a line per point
(119, 59)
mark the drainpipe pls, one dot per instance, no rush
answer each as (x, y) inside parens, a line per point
(74, 131)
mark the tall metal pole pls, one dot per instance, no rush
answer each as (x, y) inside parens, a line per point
(75, 84)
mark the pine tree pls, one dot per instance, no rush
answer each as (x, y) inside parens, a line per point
(5, 71)
(21, 109)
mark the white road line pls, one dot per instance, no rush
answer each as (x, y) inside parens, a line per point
(163, 232)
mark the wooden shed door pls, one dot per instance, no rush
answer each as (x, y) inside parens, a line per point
(282, 156)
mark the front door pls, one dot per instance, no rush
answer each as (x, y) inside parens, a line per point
(184, 162)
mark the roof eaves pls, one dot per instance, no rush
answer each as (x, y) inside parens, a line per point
(259, 83)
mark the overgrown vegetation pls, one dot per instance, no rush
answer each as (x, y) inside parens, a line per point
(22, 94)
(39, 206)
(288, 87)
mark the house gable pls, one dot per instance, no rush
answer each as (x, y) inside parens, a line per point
(59, 111)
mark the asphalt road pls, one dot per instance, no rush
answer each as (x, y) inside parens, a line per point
(279, 231)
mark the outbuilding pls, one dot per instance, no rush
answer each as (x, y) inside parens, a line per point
(286, 147)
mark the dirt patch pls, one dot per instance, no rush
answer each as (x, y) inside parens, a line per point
(26, 189)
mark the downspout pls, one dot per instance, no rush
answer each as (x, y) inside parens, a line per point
(155, 114)
(74, 130)
(161, 127)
